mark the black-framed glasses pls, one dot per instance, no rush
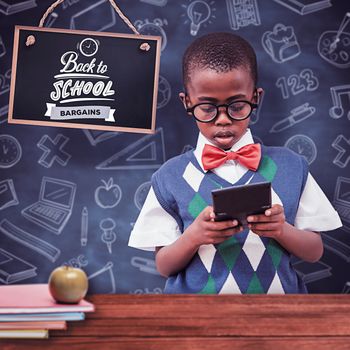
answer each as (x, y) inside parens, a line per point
(236, 110)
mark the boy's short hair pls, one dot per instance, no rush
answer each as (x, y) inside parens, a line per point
(220, 52)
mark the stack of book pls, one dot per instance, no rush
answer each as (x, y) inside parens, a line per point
(29, 311)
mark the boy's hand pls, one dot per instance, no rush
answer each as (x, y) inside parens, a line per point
(204, 230)
(269, 224)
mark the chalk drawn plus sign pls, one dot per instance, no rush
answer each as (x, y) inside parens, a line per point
(53, 150)
(342, 145)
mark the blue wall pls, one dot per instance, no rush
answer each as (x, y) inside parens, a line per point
(300, 80)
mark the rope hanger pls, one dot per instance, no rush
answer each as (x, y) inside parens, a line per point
(143, 46)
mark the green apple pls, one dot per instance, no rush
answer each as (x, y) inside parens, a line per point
(68, 284)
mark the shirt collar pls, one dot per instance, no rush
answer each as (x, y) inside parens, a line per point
(246, 139)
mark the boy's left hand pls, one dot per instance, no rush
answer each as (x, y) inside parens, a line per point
(269, 224)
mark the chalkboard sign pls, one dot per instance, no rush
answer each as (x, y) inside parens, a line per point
(84, 79)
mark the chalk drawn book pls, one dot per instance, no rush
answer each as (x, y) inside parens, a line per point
(14, 269)
(304, 7)
(9, 7)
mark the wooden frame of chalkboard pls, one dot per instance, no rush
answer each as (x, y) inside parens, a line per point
(84, 79)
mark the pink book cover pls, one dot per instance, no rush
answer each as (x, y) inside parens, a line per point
(57, 325)
(35, 298)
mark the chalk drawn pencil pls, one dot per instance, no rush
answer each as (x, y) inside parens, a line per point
(84, 226)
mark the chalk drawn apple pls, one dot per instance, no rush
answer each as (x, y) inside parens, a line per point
(108, 195)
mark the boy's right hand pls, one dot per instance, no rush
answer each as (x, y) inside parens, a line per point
(204, 230)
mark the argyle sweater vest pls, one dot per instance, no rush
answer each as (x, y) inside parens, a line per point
(244, 263)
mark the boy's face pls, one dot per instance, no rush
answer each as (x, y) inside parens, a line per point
(207, 85)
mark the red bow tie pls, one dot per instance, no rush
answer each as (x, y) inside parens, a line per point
(249, 156)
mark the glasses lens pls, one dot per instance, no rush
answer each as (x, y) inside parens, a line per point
(205, 111)
(239, 110)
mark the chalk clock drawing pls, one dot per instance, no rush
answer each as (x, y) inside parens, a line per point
(10, 151)
(88, 47)
(304, 146)
(153, 28)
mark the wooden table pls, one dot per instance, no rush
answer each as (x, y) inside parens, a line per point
(167, 322)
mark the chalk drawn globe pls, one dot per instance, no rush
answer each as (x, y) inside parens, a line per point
(141, 194)
(164, 92)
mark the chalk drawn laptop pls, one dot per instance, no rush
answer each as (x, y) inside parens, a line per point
(55, 204)
(342, 198)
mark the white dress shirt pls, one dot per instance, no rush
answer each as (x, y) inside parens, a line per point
(155, 227)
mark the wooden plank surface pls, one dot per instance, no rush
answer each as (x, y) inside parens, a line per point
(113, 343)
(215, 322)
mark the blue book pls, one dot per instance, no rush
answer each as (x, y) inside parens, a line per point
(59, 316)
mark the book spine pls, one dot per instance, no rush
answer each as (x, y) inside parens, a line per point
(24, 334)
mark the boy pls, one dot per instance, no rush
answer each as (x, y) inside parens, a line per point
(196, 253)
